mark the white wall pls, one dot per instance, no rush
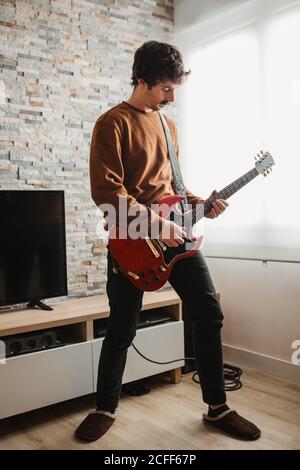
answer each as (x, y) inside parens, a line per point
(189, 12)
(261, 304)
(261, 301)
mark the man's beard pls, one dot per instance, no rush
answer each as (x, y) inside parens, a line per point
(159, 105)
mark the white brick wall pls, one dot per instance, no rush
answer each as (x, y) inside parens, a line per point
(62, 64)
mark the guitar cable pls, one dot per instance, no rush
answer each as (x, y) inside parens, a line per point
(232, 373)
(162, 363)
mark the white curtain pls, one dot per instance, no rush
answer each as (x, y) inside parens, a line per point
(244, 96)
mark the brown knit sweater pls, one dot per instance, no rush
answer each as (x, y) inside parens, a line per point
(129, 159)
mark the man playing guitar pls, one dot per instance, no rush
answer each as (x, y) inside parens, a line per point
(129, 161)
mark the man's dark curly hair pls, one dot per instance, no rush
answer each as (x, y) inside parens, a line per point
(157, 62)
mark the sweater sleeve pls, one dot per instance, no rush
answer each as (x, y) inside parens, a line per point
(107, 177)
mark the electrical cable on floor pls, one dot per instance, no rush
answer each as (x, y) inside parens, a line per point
(232, 376)
(232, 373)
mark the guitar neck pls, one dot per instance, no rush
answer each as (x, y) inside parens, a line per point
(225, 193)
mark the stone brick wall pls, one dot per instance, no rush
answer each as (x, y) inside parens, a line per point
(62, 64)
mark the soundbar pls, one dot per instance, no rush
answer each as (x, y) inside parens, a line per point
(34, 341)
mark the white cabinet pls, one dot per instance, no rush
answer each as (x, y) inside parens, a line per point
(36, 379)
(46, 377)
(160, 343)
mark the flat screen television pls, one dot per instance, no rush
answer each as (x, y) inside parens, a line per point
(32, 247)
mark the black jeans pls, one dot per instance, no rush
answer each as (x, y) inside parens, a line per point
(191, 280)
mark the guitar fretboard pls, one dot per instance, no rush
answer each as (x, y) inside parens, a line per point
(194, 215)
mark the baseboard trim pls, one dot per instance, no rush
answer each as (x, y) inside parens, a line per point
(272, 365)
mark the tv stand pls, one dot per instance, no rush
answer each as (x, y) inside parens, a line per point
(40, 304)
(30, 380)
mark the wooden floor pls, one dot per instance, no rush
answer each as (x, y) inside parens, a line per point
(169, 417)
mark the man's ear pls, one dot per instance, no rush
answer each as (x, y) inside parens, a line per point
(142, 82)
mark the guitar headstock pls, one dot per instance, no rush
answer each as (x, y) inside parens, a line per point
(264, 163)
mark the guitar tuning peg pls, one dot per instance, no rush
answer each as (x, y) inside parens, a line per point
(262, 152)
(255, 158)
(265, 174)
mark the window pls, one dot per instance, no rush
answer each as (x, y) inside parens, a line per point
(243, 96)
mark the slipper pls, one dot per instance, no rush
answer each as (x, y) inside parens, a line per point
(94, 426)
(232, 423)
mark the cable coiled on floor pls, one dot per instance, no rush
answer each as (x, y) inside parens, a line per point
(232, 375)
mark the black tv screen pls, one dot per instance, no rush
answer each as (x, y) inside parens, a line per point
(32, 246)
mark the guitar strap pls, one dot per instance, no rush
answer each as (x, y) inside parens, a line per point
(177, 184)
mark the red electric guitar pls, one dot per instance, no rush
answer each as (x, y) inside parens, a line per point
(147, 262)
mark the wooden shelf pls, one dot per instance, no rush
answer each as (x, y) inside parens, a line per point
(75, 311)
